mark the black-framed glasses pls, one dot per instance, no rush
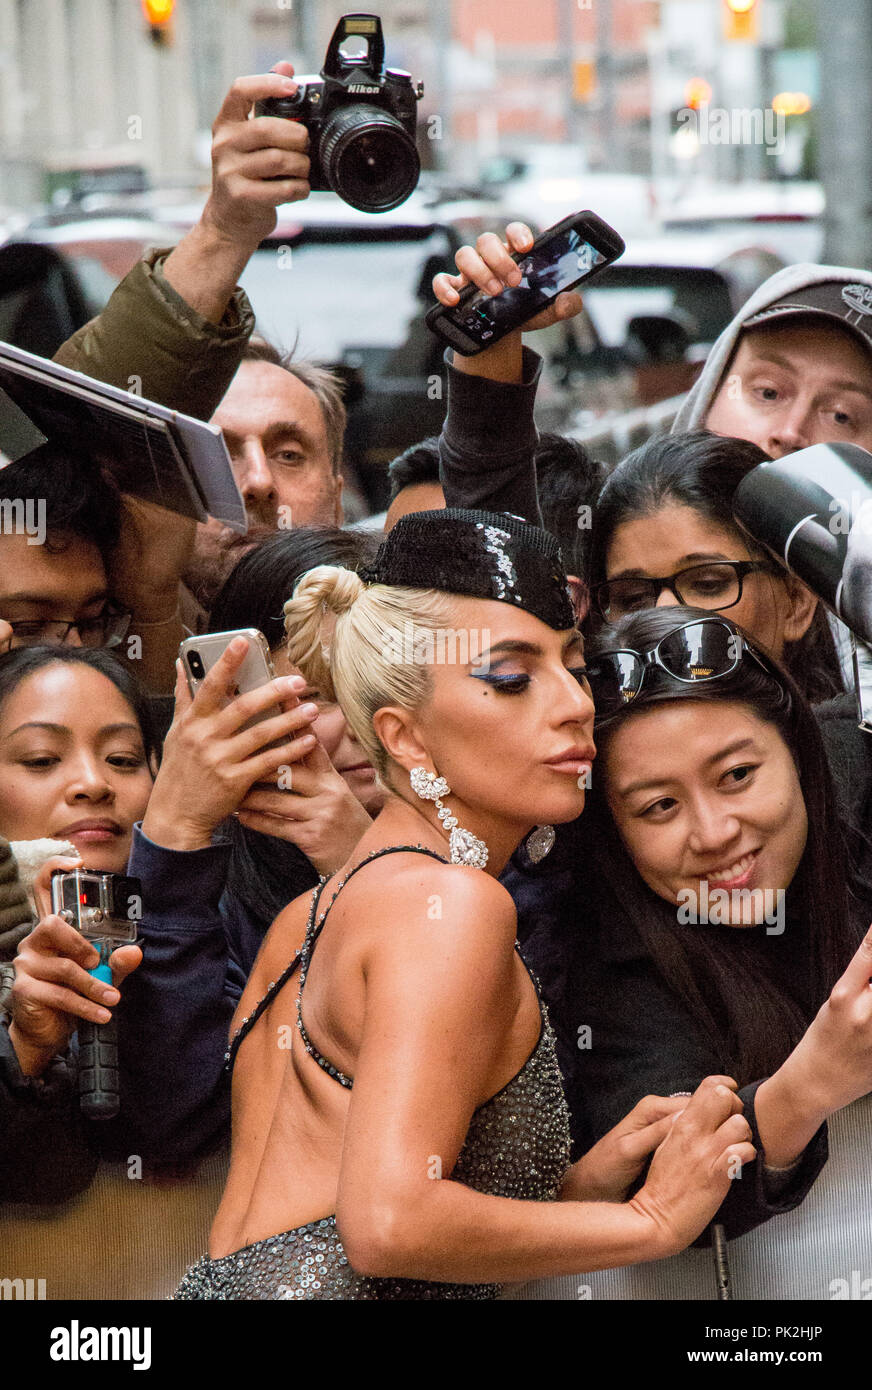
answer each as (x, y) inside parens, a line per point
(703, 649)
(717, 584)
(107, 629)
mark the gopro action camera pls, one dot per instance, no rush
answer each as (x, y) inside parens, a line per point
(105, 908)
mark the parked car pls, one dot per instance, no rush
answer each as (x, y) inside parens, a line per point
(350, 291)
(785, 215)
(649, 321)
(59, 270)
(338, 286)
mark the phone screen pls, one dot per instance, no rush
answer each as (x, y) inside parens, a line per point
(547, 270)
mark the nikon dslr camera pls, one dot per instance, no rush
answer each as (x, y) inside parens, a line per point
(361, 118)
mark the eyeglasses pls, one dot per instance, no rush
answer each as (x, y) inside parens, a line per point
(107, 629)
(714, 585)
(703, 650)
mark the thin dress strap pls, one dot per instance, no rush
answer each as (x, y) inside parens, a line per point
(250, 1020)
(309, 946)
(302, 958)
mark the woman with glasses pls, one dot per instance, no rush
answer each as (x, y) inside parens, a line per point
(663, 533)
(729, 934)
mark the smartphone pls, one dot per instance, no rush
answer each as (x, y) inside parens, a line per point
(199, 655)
(574, 250)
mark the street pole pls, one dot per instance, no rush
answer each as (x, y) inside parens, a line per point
(845, 121)
(442, 30)
(605, 77)
(566, 59)
(309, 36)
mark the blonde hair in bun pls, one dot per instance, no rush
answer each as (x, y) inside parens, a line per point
(368, 664)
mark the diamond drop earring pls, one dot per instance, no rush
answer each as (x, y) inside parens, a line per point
(540, 842)
(464, 847)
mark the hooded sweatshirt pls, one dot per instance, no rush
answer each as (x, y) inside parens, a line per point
(790, 280)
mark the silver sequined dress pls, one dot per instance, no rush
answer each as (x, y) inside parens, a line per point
(517, 1145)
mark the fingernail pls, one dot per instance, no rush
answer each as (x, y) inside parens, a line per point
(111, 996)
(292, 684)
(103, 1015)
(309, 710)
(515, 277)
(494, 286)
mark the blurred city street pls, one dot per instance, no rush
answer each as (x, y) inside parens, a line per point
(702, 130)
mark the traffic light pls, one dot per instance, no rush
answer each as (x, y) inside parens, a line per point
(159, 16)
(741, 18)
(791, 103)
(697, 93)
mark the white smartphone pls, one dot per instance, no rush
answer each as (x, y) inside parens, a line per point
(199, 655)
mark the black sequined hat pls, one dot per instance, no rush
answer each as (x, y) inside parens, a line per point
(489, 555)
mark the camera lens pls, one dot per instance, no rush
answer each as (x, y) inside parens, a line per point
(195, 665)
(369, 159)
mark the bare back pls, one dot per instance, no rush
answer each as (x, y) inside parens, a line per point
(289, 1113)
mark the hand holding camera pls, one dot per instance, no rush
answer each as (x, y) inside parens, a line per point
(256, 165)
(830, 1067)
(361, 119)
(54, 991)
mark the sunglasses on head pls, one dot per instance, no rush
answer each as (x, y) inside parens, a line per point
(704, 649)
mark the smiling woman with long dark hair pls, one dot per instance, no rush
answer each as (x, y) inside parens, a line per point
(723, 974)
(730, 930)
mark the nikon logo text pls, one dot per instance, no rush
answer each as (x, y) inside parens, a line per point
(370, 91)
(75, 1343)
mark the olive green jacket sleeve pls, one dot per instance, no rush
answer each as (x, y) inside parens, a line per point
(148, 340)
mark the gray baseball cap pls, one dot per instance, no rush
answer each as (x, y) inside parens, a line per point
(849, 304)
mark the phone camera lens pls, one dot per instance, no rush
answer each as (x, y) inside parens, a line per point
(196, 665)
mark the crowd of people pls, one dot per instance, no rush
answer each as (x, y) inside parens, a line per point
(528, 1054)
